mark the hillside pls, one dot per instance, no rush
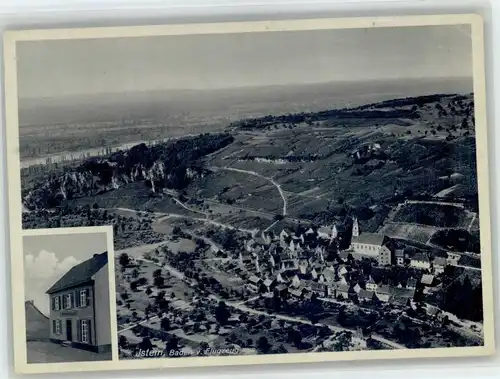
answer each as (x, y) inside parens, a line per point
(324, 165)
(37, 324)
(166, 165)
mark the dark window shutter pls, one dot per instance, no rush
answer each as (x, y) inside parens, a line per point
(53, 303)
(88, 296)
(53, 325)
(79, 330)
(60, 302)
(89, 332)
(77, 299)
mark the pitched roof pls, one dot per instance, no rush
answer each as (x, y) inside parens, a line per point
(364, 294)
(411, 283)
(427, 279)
(420, 257)
(341, 287)
(316, 287)
(369, 238)
(254, 279)
(329, 273)
(384, 289)
(438, 261)
(403, 293)
(81, 273)
(281, 287)
(297, 293)
(269, 281)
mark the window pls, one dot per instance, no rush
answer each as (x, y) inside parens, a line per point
(83, 298)
(84, 331)
(58, 327)
(68, 299)
(57, 306)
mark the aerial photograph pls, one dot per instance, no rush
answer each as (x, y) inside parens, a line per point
(269, 193)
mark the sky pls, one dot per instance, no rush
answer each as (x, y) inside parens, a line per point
(97, 66)
(48, 257)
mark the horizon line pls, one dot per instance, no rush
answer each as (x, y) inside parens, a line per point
(295, 84)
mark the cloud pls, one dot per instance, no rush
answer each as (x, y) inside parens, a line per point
(41, 271)
(46, 265)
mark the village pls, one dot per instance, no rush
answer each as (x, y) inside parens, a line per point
(331, 288)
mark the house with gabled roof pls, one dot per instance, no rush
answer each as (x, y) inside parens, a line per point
(420, 260)
(383, 293)
(289, 264)
(438, 265)
(338, 289)
(366, 295)
(427, 280)
(254, 283)
(370, 284)
(400, 257)
(80, 306)
(328, 275)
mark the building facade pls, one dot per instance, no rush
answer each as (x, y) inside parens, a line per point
(80, 306)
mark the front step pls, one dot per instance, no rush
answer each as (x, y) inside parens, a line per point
(66, 343)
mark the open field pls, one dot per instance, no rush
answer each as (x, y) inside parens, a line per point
(411, 232)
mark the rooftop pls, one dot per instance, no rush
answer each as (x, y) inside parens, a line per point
(81, 273)
(427, 279)
(369, 238)
(420, 257)
(439, 261)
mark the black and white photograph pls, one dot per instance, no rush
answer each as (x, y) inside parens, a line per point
(274, 190)
(67, 299)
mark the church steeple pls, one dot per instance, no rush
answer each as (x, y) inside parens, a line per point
(355, 228)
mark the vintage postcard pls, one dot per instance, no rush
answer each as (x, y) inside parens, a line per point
(275, 192)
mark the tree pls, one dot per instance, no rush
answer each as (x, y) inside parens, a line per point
(145, 344)
(172, 345)
(159, 281)
(295, 337)
(263, 345)
(157, 273)
(135, 273)
(222, 314)
(123, 342)
(165, 324)
(124, 259)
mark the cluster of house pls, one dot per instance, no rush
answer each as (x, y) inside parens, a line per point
(295, 265)
(375, 245)
(331, 283)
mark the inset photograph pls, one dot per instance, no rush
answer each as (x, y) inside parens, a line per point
(67, 302)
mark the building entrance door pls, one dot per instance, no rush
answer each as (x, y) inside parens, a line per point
(69, 331)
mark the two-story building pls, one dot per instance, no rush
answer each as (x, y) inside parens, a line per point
(420, 260)
(80, 306)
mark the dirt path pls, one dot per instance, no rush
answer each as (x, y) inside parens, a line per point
(271, 180)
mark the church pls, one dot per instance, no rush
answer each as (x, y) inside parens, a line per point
(369, 244)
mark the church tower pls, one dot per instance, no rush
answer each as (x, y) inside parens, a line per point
(355, 228)
(334, 234)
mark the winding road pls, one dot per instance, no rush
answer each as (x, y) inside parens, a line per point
(271, 180)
